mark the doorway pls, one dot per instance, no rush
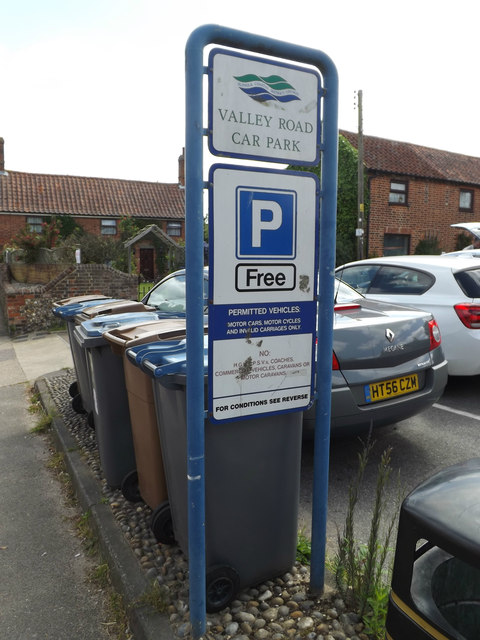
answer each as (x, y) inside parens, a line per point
(147, 269)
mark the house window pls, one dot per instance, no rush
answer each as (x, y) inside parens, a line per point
(465, 201)
(34, 224)
(398, 192)
(108, 227)
(396, 244)
(174, 228)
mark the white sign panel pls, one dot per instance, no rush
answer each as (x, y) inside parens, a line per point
(262, 319)
(264, 230)
(263, 109)
(251, 379)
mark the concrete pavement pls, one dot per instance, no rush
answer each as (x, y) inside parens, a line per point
(30, 357)
(44, 591)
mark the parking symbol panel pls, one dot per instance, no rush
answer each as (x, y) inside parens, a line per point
(266, 221)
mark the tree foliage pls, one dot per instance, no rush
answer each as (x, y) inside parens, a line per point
(347, 199)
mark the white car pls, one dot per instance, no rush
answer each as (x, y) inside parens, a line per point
(446, 286)
(471, 227)
(473, 250)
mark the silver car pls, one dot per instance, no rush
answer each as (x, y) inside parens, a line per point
(446, 286)
(387, 361)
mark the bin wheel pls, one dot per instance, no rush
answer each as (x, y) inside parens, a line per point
(73, 389)
(161, 524)
(91, 420)
(222, 584)
(77, 404)
(130, 489)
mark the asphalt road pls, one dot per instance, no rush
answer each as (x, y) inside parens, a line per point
(443, 435)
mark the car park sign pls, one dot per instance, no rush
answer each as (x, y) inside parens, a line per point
(263, 109)
(264, 230)
(278, 105)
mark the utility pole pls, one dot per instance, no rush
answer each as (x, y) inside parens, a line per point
(360, 230)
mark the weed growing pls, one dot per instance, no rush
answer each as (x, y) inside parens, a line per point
(44, 421)
(362, 571)
(304, 548)
(155, 597)
(86, 534)
(43, 425)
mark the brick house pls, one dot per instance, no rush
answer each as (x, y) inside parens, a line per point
(416, 193)
(95, 204)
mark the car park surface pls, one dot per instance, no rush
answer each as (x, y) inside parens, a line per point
(447, 287)
(388, 363)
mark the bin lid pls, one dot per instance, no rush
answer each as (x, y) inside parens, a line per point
(90, 333)
(448, 504)
(138, 352)
(112, 307)
(84, 298)
(69, 311)
(169, 359)
(128, 336)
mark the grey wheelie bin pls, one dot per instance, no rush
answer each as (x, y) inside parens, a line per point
(66, 309)
(107, 389)
(149, 477)
(84, 402)
(252, 483)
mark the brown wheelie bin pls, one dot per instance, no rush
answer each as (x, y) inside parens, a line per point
(149, 478)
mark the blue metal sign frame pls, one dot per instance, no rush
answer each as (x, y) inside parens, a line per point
(198, 40)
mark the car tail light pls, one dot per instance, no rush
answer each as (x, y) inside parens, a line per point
(335, 365)
(469, 314)
(435, 335)
(347, 306)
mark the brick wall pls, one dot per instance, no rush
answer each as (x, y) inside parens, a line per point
(11, 224)
(28, 307)
(432, 207)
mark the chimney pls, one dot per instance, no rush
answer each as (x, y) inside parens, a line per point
(2, 156)
(181, 169)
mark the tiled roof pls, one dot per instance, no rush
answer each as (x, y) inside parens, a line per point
(72, 195)
(405, 159)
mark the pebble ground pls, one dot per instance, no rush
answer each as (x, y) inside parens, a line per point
(281, 608)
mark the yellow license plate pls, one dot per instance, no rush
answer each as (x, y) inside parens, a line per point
(391, 388)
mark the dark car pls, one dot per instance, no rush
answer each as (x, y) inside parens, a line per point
(388, 363)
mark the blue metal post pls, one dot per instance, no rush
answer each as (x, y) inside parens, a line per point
(195, 303)
(325, 331)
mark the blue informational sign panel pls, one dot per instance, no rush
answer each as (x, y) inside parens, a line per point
(263, 228)
(263, 109)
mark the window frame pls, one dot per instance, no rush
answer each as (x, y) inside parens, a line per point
(398, 280)
(399, 192)
(35, 227)
(406, 244)
(175, 226)
(469, 192)
(106, 225)
(380, 279)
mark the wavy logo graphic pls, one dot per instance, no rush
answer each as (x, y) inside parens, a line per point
(265, 89)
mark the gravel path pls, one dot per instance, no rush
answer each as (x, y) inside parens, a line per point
(277, 609)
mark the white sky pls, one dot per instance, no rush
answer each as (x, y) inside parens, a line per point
(97, 87)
